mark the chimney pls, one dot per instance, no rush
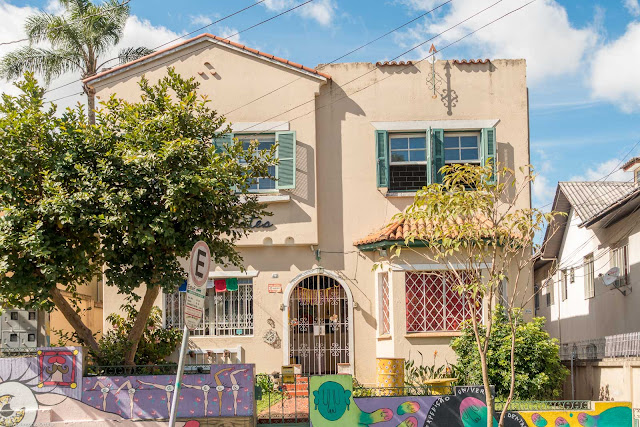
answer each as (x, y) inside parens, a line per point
(633, 165)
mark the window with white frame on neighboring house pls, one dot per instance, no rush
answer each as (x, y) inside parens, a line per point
(572, 275)
(408, 161)
(563, 284)
(550, 291)
(433, 303)
(226, 312)
(385, 304)
(282, 176)
(589, 284)
(620, 258)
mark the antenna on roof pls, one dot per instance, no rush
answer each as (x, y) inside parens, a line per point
(432, 51)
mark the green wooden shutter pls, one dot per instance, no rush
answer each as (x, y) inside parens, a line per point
(429, 158)
(437, 149)
(488, 151)
(221, 140)
(286, 170)
(382, 158)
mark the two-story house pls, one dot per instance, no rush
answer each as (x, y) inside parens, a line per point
(585, 275)
(355, 140)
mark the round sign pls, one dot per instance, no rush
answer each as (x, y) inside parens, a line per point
(199, 264)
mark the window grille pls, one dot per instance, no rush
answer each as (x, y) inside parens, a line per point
(620, 259)
(589, 288)
(434, 304)
(228, 313)
(385, 315)
(563, 285)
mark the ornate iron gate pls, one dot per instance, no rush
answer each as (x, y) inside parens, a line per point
(318, 325)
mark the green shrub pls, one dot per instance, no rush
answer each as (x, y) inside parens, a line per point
(538, 370)
(156, 345)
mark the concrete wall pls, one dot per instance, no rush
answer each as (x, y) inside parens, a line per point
(336, 200)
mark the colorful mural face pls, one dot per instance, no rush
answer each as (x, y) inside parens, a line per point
(333, 405)
(34, 390)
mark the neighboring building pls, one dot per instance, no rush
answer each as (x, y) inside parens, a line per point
(352, 153)
(596, 321)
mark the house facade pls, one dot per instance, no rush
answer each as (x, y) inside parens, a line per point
(588, 267)
(355, 141)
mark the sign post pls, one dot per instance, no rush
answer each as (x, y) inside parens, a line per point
(199, 263)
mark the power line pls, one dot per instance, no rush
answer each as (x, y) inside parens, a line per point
(403, 66)
(72, 22)
(219, 20)
(320, 67)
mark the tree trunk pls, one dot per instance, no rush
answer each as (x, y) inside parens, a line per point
(74, 319)
(512, 371)
(91, 104)
(140, 324)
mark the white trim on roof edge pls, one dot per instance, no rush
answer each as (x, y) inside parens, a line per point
(170, 51)
(435, 124)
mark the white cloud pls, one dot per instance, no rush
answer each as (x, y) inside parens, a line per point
(633, 7)
(543, 191)
(614, 70)
(137, 32)
(541, 33)
(609, 170)
(201, 20)
(322, 11)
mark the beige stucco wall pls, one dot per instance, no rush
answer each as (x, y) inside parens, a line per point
(336, 200)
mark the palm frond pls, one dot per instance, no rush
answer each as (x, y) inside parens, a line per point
(37, 26)
(132, 53)
(49, 63)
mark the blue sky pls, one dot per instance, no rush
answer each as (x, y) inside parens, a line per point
(582, 56)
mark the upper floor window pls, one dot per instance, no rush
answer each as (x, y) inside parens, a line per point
(589, 287)
(410, 161)
(620, 259)
(265, 143)
(282, 176)
(461, 148)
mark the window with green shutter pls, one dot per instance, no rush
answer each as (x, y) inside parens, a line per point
(286, 170)
(489, 151)
(382, 158)
(220, 141)
(265, 142)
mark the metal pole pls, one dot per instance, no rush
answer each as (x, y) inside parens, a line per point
(176, 390)
(573, 384)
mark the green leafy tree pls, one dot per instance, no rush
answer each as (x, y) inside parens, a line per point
(538, 371)
(78, 39)
(133, 193)
(475, 226)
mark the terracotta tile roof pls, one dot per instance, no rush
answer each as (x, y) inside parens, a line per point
(471, 61)
(211, 36)
(630, 163)
(379, 64)
(399, 230)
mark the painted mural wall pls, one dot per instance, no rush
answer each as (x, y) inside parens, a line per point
(50, 387)
(332, 404)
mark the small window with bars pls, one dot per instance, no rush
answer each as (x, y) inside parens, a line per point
(227, 313)
(385, 305)
(589, 285)
(563, 284)
(434, 304)
(620, 259)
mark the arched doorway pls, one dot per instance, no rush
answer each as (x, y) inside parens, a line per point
(318, 322)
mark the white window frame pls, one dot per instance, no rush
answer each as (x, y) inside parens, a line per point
(248, 137)
(589, 276)
(408, 135)
(384, 296)
(230, 322)
(620, 258)
(478, 135)
(564, 287)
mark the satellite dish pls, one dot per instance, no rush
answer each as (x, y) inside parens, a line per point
(611, 276)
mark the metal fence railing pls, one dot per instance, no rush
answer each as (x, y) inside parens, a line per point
(621, 345)
(125, 371)
(545, 405)
(18, 351)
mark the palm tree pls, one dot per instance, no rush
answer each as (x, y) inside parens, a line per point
(78, 37)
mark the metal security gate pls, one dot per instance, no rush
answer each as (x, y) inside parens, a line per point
(318, 325)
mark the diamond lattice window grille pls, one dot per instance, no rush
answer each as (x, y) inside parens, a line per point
(433, 303)
(386, 316)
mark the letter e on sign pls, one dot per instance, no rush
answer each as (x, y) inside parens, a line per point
(199, 263)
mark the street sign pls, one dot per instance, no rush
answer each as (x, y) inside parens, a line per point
(199, 264)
